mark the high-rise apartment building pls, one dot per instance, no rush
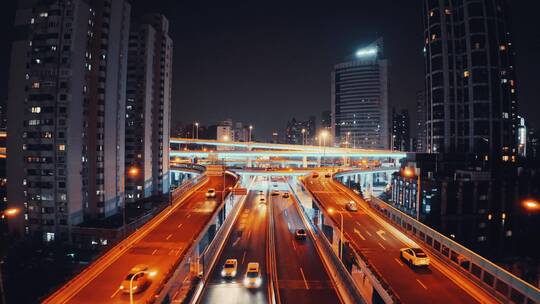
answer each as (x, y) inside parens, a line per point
(470, 79)
(66, 106)
(420, 141)
(401, 138)
(360, 99)
(148, 108)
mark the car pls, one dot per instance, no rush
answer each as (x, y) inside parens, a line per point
(315, 174)
(139, 276)
(275, 193)
(275, 185)
(260, 192)
(300, 234)
(285, 194)
(262, 200)
(352, 206)
(327, 175)
(415, 256)
(253, 275)
(211, 193)
(229, 268)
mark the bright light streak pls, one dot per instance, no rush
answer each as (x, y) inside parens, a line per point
(366, 52)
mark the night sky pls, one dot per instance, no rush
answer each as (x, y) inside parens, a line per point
(263, 64)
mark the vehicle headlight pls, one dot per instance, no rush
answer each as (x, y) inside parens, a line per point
(258, 282)
(246, 281)
(233, 273)
(223, 273)
(135, 287)
(121, 286)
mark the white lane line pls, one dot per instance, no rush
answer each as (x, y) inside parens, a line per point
(154, 252)
(421, 284)
(381, 245)
(180, 225)
(304, 277)
(381, 234)
(359, 234)
(169, 236)
(114, 294)
(294, 245)
(189, 215)
(369, 233)
(243, 257)
(397, 261)
(286, 213)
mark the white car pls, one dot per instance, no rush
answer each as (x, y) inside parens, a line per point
(300, 234)
(211, 193)
(253, 275)
(229, 268)
(139, 276)
(285, 194)
(415, 256)
(352, 206)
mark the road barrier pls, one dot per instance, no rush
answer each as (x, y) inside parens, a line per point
(487, 275)
(68, 290)
(345, 284)
(184, 276)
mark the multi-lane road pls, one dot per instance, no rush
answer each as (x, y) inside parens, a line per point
(246, 243)
(301, 276)
(159, 249)
(434, 284)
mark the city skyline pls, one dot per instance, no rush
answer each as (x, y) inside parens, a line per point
(313, 46)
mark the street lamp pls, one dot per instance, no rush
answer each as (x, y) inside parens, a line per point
(7, 213)
(303, 136)
(409, 172)
(331, 211)
(197, 130)
(150, 274)
(250, 128)
(10, 212)
(324, 134)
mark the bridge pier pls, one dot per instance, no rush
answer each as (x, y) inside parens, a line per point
(304, 162)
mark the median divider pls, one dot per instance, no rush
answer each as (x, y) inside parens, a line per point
(186, 271)
(273, 284)
(343, 281)
(68, 290)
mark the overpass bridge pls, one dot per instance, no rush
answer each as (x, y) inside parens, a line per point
(346, 257)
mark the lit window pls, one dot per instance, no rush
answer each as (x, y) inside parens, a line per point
(433, 36)
(431, 13)
(505, 115)
(502, 47)
(477, 45)
(44, 14)
(466, 74)
(61, 147)
(35, 85)
(505, 158)
(35, 110)
(38, 61)
(447, 11)
(32, 21)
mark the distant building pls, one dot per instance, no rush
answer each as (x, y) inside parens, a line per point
(241, 132)
(148, 108)
(533, 144)
(360, 99)
(481, 209)
(326, 119)
(471, 86)
(420, 140)
(401, 139)
(300, 132)
(66, 105)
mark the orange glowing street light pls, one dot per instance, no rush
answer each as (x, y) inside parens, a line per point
(133, 171)
(408, 172)
(531, 204)
(10, 212)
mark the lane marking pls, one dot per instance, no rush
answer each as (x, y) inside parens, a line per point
(189, 215)
(400, 264)
(180, 225)
(304, 277)
(359, 234)
(369, 233)
(421, 284)
(294, 245)
(286, 213)
(114, 294)
(154, 252)
(381, 233)
(243, 257)
(169, 236)
(236, 241)
(381, 245)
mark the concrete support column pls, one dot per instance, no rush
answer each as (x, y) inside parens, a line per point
(304, 162)
(250, 162)
(318, 161)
